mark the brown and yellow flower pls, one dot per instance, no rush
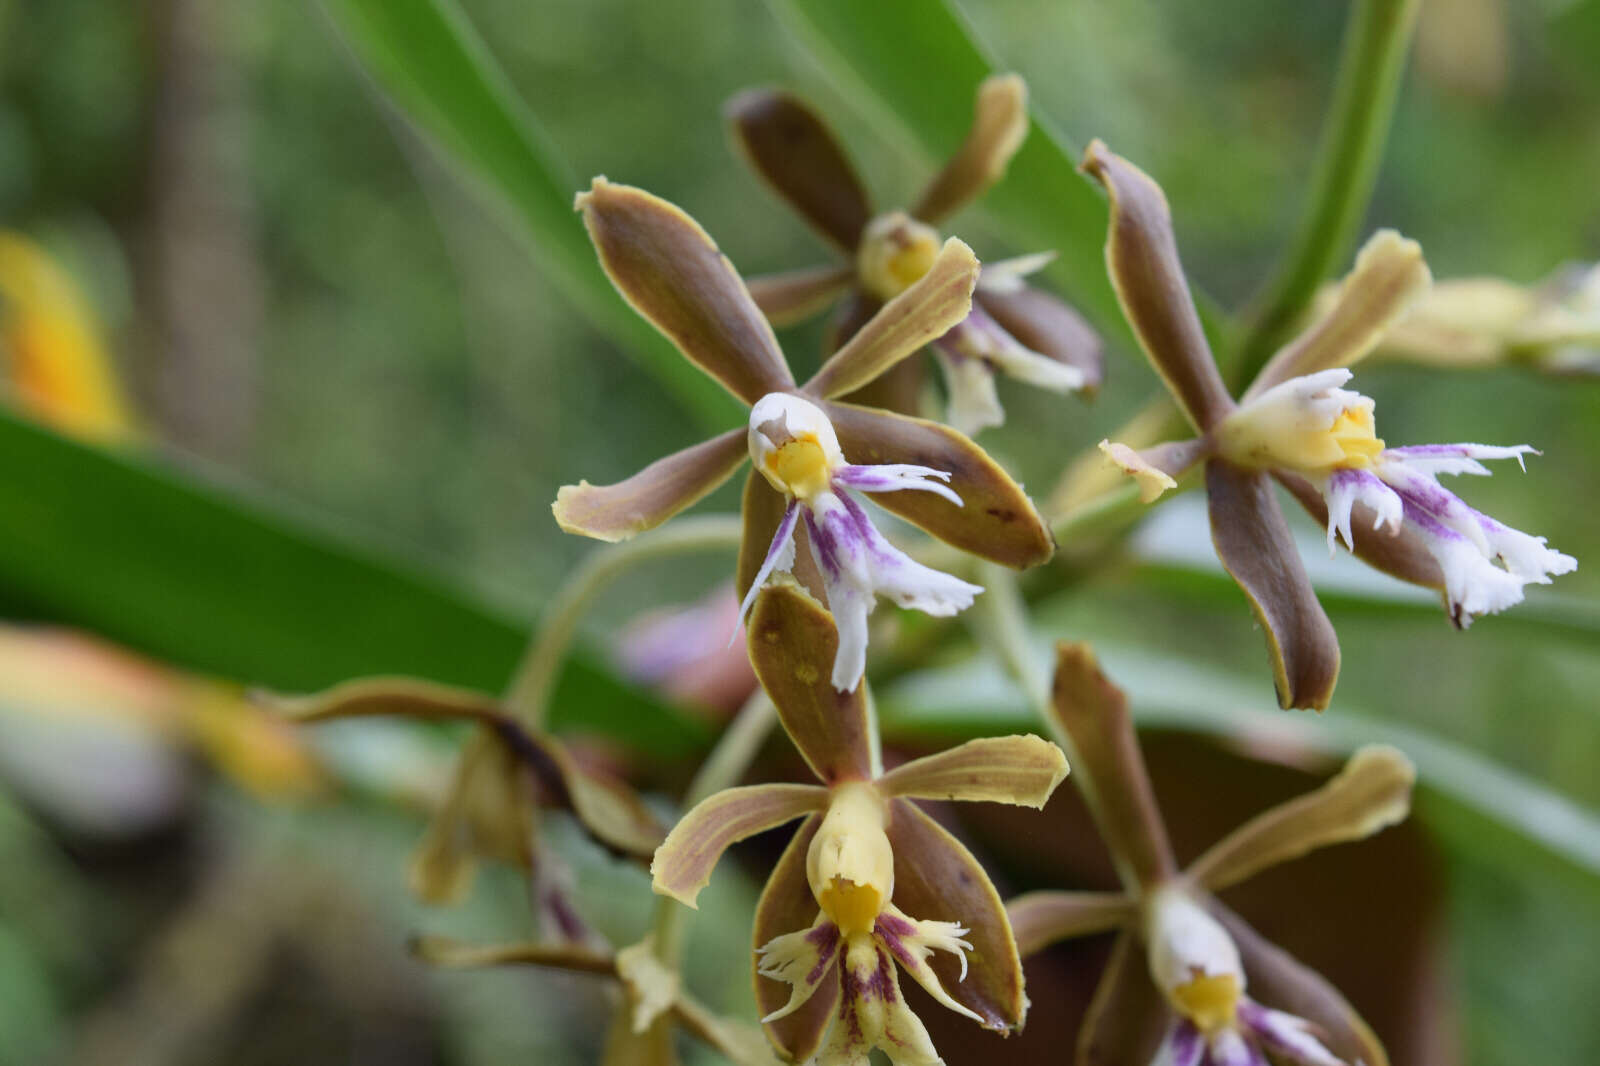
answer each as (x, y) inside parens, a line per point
(508, 774)
(1189, 983)
(812, 454)
(1011, 329)
(1296, 424)
(870, 885)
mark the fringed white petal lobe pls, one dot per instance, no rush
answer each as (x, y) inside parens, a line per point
(1005, 275)
(1286, 1036)
(973, 401)
(912, 942)
(1230, 1048)
(803, 959)
(894, 477)
(857, 563)
(1346, 488)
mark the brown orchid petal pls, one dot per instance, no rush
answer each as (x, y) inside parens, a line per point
(1142, 256)
(853, 312)
(999, 126)
(762, 511)
(488, 813)
(1127, 1018)
(1021, 770)
(790, 147)
(996, 521)
(607, 807)
(684, 861)
(1371, 793)
(1044, 324)
(797, 295)
(1254, 543)
(1039, 919)
(792, 645)
(937, 879)
(670, 271)
(739, 1043)
(1388, 278)
(1094, 713)
(442, 951)
(1402, 555)
(926, 311)
(898, 389)
(1155, 469)
(1280, 981)
(786, 906)
(654, 494)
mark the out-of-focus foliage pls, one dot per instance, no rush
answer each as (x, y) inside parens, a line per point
(420, 377)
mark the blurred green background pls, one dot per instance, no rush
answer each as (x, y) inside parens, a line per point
(308, 306)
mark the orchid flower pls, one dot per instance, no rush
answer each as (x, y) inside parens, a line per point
(1296, 424)
(811, 453)
(507, 774)
(1012, 329)
(869, 885)
(1194, 1000)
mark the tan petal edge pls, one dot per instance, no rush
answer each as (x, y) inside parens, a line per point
(1388, 278)
(1255, 546)
(999, 126)
(653, 495)
(684, 861)
(1021, 770)
(926, 311)
(670, 271)
(1142, 256)
(1371, 793)
(453, 954)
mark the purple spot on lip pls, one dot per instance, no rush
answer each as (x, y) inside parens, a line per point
(825, 938)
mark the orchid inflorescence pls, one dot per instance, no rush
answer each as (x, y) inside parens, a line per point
(870, 886)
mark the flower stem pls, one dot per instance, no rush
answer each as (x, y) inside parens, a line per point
(528, 695)
(1002, 623)
(1371, 66)
(732, 756)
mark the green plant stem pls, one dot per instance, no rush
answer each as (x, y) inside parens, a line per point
(735, 750)
(1002, 622)
(528, 695)
(1371, 67)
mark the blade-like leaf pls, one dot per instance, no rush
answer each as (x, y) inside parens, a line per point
(211, 581)
(426, 56)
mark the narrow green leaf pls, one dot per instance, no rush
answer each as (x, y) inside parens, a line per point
(426, 56)
(209, 580)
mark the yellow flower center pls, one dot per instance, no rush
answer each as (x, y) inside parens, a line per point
(896, 251)
(1209, 1001)
(850, 865)
(1356, 437)
(799, 467)
(854, 908)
